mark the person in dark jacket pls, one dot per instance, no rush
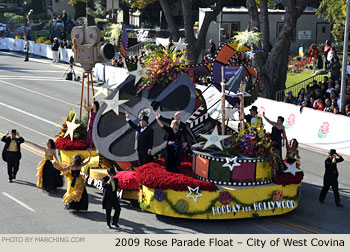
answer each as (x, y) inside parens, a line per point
(144, 138)
(184, 130)
(174, 140)
(110, 199)
(212, 49)
(55, 47)
(330, 178)
(12, 153)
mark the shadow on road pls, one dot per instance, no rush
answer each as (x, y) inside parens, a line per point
(23, 182)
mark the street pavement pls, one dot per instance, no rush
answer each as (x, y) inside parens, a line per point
(34, 99)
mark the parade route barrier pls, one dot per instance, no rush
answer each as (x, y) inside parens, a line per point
(318, 129)
(17, 45)
(113, 75)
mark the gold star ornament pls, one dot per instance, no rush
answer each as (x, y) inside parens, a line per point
(104, 89)
(71, 126)
(114, 104)
(214, 139)
(139, 73)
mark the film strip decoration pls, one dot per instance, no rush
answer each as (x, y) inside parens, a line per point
(223, 159)
(201, 70)
(228, 55)
(98, 184)
(196, 114)
(236, 183)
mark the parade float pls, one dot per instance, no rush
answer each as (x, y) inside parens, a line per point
(231, 175)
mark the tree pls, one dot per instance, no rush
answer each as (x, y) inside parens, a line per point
(194, 46)
(90, 5)
(272, 65)
(334, 11)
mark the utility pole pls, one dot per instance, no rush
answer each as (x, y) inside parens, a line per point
(345, 58)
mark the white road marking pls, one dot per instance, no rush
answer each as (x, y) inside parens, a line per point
(19, 202)
(25, 127)
(29, 79)
(32, 70)
(38, 93)
(29, 76)
(29, 114)
(37, 60)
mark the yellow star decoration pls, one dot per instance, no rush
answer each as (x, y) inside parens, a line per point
(214, 139)
(114, 104)
(139, 73)
(71, 126)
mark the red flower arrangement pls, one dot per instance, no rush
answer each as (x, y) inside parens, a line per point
(288, 179)
(154, 175)
(127, 180)
(67, 144)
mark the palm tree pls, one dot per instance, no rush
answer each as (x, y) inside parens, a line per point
(249, 38)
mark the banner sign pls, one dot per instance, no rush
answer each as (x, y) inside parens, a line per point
(318, 129)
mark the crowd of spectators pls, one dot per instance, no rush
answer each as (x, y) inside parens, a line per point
(323, 96)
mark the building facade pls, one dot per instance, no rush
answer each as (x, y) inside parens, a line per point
(309, 29)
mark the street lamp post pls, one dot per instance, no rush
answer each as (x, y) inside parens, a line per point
(345, 58)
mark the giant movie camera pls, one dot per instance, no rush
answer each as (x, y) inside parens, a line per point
(87, 50)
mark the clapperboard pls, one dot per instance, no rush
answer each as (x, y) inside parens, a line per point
(203, 124)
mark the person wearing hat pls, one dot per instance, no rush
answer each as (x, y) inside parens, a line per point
(55, 47)
(330, 178)
(290, 98)
(110, 199)
(144, 138)
(11, 153)
(253, 116)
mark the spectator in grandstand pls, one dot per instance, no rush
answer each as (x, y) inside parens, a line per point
(336, 110)
(334, 106)
(307, 100)
(319, 104)
(325, 80)
(290, 98)
(347, 109)
(330, 86)
(301, 92)
(324, 88)
(337, 88)
(328, 106)
(312, 101)
(300, 99)
(318, 94)
(333, 97)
